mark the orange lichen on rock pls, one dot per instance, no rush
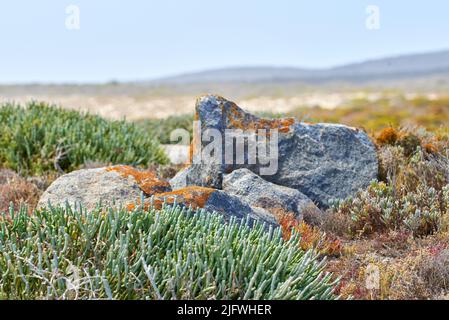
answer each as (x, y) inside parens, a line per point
(194, 197)
(308, 123)
(148, 181)
(237, 120)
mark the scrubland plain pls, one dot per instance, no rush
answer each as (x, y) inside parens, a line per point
(398, 226)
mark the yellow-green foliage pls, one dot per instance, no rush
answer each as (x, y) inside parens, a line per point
(386, 112)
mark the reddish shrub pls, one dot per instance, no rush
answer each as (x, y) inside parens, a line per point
(311, 237)
(16, 190)
(388, 136)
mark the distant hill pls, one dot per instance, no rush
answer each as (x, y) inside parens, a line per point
(392, 68)
(417, 73)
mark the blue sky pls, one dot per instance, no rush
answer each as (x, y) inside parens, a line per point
(137, 39)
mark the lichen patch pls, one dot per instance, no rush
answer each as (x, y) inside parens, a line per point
(147, 181)
(238, 119)
(194, 197)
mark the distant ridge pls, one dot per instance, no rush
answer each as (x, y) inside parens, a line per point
(390, 68)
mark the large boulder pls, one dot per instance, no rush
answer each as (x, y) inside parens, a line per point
(279, 201)
(323, 161)
(117, 185)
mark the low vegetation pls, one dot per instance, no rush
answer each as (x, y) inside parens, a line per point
(38, 138)
(399, 225)
(412, 192)
(167, 254)
(162, 128)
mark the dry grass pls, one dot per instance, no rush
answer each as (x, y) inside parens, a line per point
(17, 191)
(409, 269)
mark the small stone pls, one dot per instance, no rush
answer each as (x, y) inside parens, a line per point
(279, 201)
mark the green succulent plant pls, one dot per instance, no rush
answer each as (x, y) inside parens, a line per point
(174, 253)
(39, 138)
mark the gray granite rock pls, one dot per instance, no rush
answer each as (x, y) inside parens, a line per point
(231, 206)
(120, 185)
(326, 161)
(258, 193)
(124, 186)
(210, 176)
(323, 161)
(212, 200)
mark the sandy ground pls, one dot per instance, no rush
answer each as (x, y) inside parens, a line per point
(141, 106)
(136, 108)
